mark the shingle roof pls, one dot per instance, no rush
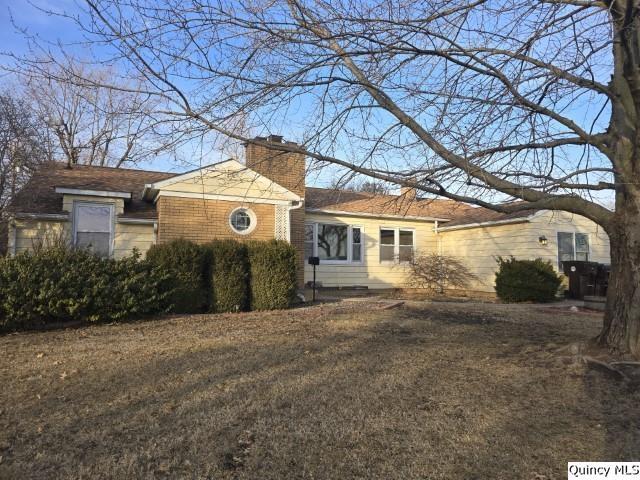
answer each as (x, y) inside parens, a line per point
(376, 204)
(39, 195)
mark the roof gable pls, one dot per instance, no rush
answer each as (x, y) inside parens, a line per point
(225, 179)
(39, 195)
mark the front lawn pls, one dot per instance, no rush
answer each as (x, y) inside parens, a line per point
(435, 391)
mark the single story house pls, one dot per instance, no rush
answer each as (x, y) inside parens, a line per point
(362, 239)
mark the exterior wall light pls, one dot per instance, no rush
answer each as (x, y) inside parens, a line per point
(542, 240)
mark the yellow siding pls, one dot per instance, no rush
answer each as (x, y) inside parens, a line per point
(478, 247)
(129, 236)
(370, 272)
(230, 182)
(28, 234)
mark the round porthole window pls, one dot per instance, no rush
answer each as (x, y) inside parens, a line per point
(242, 221)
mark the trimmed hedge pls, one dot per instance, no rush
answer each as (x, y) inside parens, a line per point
(526, 280)
(188, 265)
(272, 274)
(58, 285)
(229, 276)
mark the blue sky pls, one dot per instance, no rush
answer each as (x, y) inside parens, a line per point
(29, 14)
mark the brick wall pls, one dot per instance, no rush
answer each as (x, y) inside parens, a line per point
(202, 220)
(297, 240)
(288, 170)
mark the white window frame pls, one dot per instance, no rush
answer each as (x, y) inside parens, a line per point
(253, 221)
(396, 244)
(350, 242)
(575, 249)
(112, 223)
(349, 260)
(314, 242)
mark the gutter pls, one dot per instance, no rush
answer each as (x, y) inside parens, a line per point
(375, 215)
(94, 193)
(138, 221)
(486, 224)
(42, 216)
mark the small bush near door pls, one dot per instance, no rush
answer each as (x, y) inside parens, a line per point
(435, 273)
(187, 263)
(229, 276)
(272, 274)
(526, 280)
(59, 284)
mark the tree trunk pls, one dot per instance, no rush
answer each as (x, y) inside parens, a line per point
(621, 328)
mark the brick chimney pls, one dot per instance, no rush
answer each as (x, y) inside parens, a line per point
(288, 170)
(284, 168)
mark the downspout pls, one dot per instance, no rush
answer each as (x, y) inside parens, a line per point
(438, 238)
(292, 207)
(13, 233)
(300, 203)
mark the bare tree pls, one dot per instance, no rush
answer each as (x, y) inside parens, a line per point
(371, 186)
(480, 101)
(23, 146)
(92, 124)
(361, 185)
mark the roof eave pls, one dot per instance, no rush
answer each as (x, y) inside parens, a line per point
(376, 215)
(40, 216)
(94, 192)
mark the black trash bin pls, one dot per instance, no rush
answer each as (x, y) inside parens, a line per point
(582, 277)
(602, 279)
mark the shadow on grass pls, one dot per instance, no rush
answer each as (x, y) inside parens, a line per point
(400, 394)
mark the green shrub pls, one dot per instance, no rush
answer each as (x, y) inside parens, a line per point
(526, 280)
(188, 265)
(229, 276)
(139, 288)
(272, 267)
(58, 285)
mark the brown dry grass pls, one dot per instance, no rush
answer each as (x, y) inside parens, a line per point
(424, 391)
